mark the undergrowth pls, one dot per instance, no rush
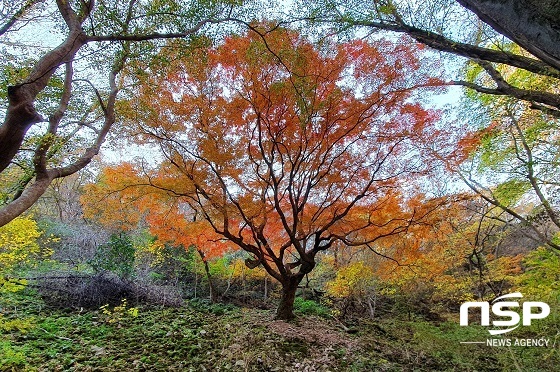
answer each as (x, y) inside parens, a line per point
(222, 337)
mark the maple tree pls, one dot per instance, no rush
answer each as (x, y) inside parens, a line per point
(111, 202)
(284, 149)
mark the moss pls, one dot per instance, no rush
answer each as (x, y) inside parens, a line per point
(197, 337)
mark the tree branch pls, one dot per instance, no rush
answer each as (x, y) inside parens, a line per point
(157, 35)
(503, 88)
(18, 14)
(441, 43)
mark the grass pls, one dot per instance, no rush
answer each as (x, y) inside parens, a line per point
(218, 337)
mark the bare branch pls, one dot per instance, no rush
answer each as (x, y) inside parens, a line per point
(18, 14)
(157, 35)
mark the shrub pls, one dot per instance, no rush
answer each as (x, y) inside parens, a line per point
(116, 256)
(71, 289)
(18, 248)
(310, 307)
(119, 314)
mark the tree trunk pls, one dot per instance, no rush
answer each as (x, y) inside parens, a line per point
(533, 24)
(208, 276)
(228, 284)
(285, 309)
(26, 200)
(20, 116)
(372, 306)
(210, 284)
(195, 282)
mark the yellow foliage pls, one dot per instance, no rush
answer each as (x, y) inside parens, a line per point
(18, 242)
(119, 313)
(355, 279)
(153, 251)
(20, 325)
(239, 271)
(18, 247)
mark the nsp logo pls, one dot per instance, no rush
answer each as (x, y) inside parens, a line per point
(501, 309)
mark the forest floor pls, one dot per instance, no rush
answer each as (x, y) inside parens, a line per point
(219, 337)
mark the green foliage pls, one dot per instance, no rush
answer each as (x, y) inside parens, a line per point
(12, 71)
(310, 307)
(520, 144)
(493, 151)
(542, 274)
(509, 192)
(211, 307)
(387, 9)
(165, 262)
(197, 336)
(117, 256)
(10, 357)
(540, 281)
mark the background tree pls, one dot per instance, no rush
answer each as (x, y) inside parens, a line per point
(285, 153)
(40, 100)
(511, 163)
(447, 26)
(112, 203)
(18, 247)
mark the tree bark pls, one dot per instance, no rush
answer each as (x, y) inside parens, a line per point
(20, 116)
(285, 309)
(208, 276)
(21, 113)
(210, 283)
(531, 24)
(26, 200)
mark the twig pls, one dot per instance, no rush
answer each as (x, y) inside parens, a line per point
(60, 337)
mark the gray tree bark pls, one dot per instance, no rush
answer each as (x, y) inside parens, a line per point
(533, 24)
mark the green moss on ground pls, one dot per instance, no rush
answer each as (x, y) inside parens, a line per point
(216, 337)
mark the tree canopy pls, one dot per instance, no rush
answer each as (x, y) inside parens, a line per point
(55, 122)
(285, 149)
(472, 29)
(57, 117)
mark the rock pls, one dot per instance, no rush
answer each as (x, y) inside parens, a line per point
(99, 351)
(240, 363)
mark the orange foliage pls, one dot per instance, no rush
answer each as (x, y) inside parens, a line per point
(124, 197)
(284, 149)
(117, 199)
(470, 143)
(175, 228)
